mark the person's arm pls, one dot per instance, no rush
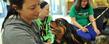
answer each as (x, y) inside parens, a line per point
(78, 25)
(92, 20)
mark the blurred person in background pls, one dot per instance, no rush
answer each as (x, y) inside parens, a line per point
(43, 23)
(82, 14)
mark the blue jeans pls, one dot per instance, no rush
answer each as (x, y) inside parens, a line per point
(90, 35)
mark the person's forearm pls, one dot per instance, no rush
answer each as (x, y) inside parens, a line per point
(76, 24)
(94, 25)
(92, 20)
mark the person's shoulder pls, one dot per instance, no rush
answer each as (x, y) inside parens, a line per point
(15, 23)
(12, 30)
(90, 7)
(73, 6)
(16, 27)
(17, 34)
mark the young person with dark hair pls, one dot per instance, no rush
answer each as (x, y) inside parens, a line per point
(18, 27)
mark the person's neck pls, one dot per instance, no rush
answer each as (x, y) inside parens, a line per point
(28, 21)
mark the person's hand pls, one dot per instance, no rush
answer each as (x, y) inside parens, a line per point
(58, 41)
(97, 31)
(48, 42)
(84, 29)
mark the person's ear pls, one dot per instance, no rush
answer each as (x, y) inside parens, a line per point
(14, 6)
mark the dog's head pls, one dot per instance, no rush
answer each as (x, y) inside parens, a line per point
(58, 27)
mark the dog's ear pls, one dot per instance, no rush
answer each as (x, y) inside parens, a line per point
(53, 24)
(59, 22)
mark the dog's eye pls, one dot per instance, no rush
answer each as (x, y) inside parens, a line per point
(52, 27)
